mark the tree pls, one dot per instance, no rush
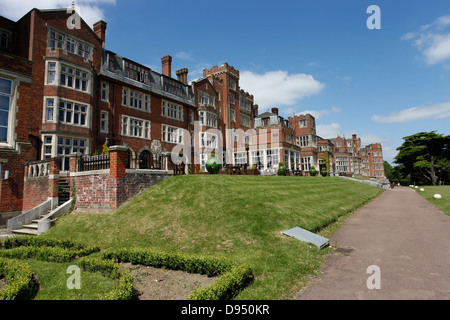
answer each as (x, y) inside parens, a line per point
(391, 173)
(425, 157)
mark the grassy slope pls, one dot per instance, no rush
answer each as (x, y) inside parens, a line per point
(442, 204)
(239, 217)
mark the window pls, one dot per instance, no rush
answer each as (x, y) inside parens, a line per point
(51, 75)
(50, 110)
(136, 100)
(245, 104)
(208, 140)
(6, 91)
(306, 163)
(233, 84)
(104, 118)
(72, 113)
(73, 78)
(172, 134)
(240, 158)
(70, 45)
(232, 98)
(66, 146)
(342, 164)
(245, 121)
(208, 118)
(205, 99)
(4, 39)
(172, 110)
(303, 141)
(273, 158)
(56, 40)
(47, 154)
(174, 87)
(105, 91)
(302, 123)
(137, 73)
(137, 128)
(233, 115)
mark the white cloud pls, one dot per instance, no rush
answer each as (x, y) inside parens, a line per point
(320, 113)
(278, 88)
(90, 10)
(184, 56)
(329, 131)
(433, 40)
(436, 112)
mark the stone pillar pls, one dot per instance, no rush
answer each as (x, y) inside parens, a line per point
(53, 181)
(117, 161)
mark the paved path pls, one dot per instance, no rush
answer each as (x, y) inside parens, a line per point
(402, 234)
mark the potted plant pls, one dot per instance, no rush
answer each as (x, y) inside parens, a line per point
(312, 171)
(281, 169)
(213, 164)
(324, 172)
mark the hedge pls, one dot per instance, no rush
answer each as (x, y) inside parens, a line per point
(232, 278)
(21, 282)
(45, 249)
(124, 288)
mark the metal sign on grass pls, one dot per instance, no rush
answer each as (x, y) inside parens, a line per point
(305, 235)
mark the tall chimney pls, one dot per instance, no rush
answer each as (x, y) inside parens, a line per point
(167, 65)
(182, 75)
(275, 111)
(100, 30)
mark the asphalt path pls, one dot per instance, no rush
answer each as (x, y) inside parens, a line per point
(395, 248)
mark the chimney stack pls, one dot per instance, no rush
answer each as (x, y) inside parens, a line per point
(182, 75)
(167, 65)
(100, 30)
(275, 111)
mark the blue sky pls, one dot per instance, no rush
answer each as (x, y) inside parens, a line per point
(300, 56)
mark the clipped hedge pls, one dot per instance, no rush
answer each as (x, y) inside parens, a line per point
(36, 241)
(46, 249)
(124, 288)
(21, 282)
(232, 278)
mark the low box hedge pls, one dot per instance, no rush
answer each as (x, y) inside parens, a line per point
(21, 282)
(231, 278)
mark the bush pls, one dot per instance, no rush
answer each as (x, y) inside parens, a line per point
(324, 172)
(312, 171)
(281, 169)
(232, 278)
(45, 249)
(124, 289)
(22, 284)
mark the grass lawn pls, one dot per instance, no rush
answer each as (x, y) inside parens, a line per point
(237, 217)
(442, 204)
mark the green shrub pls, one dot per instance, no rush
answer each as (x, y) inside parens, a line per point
(21, 282)
(124, 289)
(312, 171)
(281, 169)
(232, 279)
(45, 249)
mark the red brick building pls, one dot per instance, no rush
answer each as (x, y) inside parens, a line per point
(63, 93)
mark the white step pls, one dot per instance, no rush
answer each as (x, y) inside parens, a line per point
(25, 231)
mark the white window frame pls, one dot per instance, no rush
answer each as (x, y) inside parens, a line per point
(104, 121)
(136, 100)
(171, 134)
(172, 110)
(135, 128)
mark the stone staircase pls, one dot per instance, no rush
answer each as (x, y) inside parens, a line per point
(30, 229)
(63, 197)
